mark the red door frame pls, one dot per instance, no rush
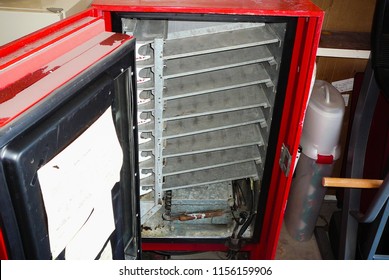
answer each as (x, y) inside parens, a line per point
(297, 93)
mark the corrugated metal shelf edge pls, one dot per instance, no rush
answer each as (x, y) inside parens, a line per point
(215, 81)
(201, 124)
(216, 61)
(196, 162)
(213, 141)
(217, 42)
(212, 175)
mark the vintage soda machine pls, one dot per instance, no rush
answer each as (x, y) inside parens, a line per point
(154, 126)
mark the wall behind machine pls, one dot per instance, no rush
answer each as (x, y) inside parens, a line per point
(347, 15)
(347, 24)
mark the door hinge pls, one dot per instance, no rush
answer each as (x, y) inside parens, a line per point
(285, 160)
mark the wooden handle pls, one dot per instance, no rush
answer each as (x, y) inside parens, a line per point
(351, 183)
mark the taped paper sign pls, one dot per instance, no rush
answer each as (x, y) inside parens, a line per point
(76, 187)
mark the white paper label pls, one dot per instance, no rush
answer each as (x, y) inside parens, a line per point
(344, 85)
(76, 187)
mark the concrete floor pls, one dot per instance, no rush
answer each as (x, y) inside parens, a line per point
(291, 249)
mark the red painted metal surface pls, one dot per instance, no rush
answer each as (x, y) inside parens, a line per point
(32, 57)
(192, 247)
(310, 20)
(48, 59)
(301, 70)
(242, 7)
(3, 247)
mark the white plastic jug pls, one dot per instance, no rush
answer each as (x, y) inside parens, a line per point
(323, 122)
(320, 148)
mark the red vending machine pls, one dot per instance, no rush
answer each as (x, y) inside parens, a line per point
(154, 126)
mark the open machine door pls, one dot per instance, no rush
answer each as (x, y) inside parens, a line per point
(68, 144)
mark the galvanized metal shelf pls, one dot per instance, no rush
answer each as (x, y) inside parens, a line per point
(212, 175)
(216, 102)
(148, 146)
(148, 85)
(148, 182)
(179, 29)
(214, 141)
(216, 61)
(147, 106)
(196, 162)
(147, 126)
(147, 164)
(216, 81)
(194, 125)
(217, 42)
